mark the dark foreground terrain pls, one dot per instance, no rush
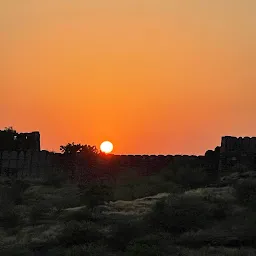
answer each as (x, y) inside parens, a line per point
(165, 214)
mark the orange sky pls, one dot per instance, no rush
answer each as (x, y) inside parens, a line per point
(152, 76)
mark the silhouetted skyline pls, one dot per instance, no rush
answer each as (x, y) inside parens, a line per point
(152, 77)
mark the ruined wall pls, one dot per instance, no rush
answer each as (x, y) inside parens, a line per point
(22, 164)
(26, 163)
(237, 152)
(20, 156)
(232, 144)
(13, 141)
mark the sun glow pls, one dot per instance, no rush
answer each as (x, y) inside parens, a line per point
(106, 147)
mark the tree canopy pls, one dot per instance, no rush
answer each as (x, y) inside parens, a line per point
(72, 149)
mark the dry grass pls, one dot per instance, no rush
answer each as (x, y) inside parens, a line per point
(64, 225)
(138, 206)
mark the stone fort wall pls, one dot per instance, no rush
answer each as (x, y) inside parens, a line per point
(35, 164)
(26, 163)
(237, 151)
(20, 156)
(13, 141)
(232, 144)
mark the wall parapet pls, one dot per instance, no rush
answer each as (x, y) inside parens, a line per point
(13, 141)
(237, 151)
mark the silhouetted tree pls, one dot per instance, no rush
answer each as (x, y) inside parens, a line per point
(77, 152)
(70, 148)
(73, 149)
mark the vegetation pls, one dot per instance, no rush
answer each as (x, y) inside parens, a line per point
(72, 148)
(169, 213)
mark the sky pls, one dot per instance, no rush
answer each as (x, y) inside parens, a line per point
(151, 76)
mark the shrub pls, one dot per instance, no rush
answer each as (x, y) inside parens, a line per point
(56, 251)
(83, 214)
(144, 186)
(55, 179)
(191, 178)
(90, 249)
(61, 198)
(76, 233)
(144, 249)
(222, 251)
(13, 192)
(235, 231)
(213, 236)
(95, 194)
(70, 201)
(39, 212)
(18, 187)
(9, 217)
(125, 232)
(245, 227)
(246, 192)
(16, 251)
(152, 244)
(181, 213)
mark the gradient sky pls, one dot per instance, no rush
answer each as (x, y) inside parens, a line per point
(152, 76)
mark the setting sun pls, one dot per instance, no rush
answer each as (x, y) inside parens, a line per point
(106, 147)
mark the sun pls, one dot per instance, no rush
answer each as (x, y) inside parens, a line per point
(106, 147)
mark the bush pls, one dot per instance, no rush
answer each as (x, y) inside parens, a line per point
(95, 194)
(221, 251)
(83, 214)
(191, 178)
(246, 192)
(236, 231)
(13, 192)
(56, 251)
(145, 186)
(16, 251)
(17, 190)
(152, 244)
(90, 250)
(213, 237)
(245, 227)
(181, 213)
(9, 217)
(61, 198)
(123, 233)
(76, 233)
(144, 249)
(39, 212)
(55, 179)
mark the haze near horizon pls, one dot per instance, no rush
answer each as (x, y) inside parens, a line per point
(152, 77)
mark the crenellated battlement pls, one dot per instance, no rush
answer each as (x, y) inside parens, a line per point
(242, 144)
(10, 140)
(20, 155)
(237, 151)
